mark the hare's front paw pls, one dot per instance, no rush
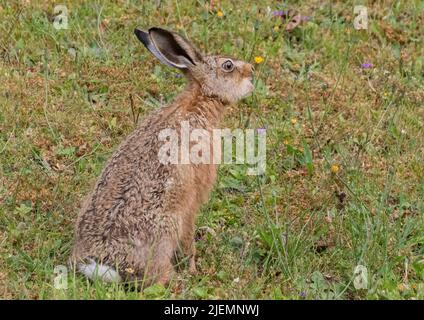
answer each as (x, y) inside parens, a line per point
(192, 266)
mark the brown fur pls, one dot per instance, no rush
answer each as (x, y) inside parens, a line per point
(141, 212)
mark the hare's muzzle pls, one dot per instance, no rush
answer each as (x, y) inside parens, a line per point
(248, 70)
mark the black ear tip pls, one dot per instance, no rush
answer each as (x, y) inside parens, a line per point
(142, 36)
(137, 32)
(155, 29)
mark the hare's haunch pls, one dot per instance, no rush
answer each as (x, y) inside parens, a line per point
(142, 211)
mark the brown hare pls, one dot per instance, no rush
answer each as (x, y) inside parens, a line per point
(142, 211)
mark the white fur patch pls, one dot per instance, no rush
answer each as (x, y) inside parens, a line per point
(246, 88)
(95, 271)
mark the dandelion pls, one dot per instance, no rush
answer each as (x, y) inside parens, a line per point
(220, 14)
(259, 59)
(335, 168)
(367, 65)
(293, 121)
(276, 28)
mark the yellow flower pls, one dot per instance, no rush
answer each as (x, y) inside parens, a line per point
(335, 168)
(129, 270)
(293, 120)
(401, 287)
(259, 59)
(220, 14)
(276, 28)
(286, 142)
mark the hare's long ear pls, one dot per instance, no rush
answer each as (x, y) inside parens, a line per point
(169, 47)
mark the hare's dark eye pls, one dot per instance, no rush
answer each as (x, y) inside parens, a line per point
(228, 66)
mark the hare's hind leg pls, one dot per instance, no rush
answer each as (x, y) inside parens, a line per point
(163, 269)
(154, 262)
(166, 273)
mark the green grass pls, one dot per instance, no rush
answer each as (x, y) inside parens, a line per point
(68, 97)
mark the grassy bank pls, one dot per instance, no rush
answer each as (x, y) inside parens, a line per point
(344, 115)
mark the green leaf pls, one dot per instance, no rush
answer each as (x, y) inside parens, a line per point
(155, 291)
(66, 151)
(200, 292)
(112, 123)
(307, 157)
(23, 209)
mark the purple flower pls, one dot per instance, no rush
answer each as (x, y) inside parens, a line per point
(261, 130)
(302, 295)
(285, 14)
(367, 65)
(279, 13)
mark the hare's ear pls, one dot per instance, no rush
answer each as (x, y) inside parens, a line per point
(169, 47)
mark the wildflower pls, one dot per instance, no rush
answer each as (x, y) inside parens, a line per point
(293, 121)
(220, 14)
(302, 295)
(129, 270)
(335, 168)
(367, 65)
(276, 28)
(286, 141)
(279, 13)
(401, 287)
(295, 18)
(259, 59)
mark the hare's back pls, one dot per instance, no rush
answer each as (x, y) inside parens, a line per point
(131, 192)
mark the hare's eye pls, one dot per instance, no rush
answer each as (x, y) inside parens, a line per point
(228, 66)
